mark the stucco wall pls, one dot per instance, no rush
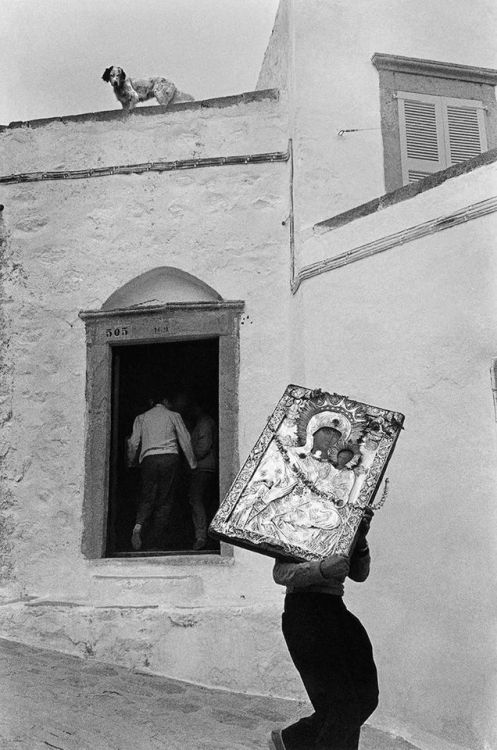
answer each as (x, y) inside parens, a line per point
(413, 329)
(410, 329)
(249, 123)
(277, 65)
(337, 86)
(68, 246)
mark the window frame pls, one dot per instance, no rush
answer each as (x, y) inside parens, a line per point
(432, 78)
(159, 324)
(441, 105)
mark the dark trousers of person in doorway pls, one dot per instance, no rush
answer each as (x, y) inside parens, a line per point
(158, 476)
(333, 654)
(200, 486)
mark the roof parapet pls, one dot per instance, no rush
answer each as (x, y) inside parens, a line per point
(246, 97)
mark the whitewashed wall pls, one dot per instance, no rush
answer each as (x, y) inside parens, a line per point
(333, 85)
(67, 246)
(413, 329)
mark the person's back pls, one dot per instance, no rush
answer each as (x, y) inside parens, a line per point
(158, 431)
(157, 435)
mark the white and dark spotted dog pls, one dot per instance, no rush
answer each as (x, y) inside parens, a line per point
(130, 91)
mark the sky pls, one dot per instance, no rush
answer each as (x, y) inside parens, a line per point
(53, 52)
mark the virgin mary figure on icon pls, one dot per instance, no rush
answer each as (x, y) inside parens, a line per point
(295, 493)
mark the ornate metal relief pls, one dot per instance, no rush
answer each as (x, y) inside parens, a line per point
(318, 463)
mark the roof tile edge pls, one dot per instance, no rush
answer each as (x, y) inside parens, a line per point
(405, 192)
(247, 97)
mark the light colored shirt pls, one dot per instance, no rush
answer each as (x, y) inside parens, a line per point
(204, 442)
(159, 431)
(307, 576)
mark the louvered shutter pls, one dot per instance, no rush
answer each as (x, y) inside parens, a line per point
(436, 132)
(421, 136)
(464, 125)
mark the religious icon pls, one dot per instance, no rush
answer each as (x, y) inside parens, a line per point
(317, 464)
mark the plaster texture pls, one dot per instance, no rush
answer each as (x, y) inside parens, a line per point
(333, 84)
(277, 65)
(411, 329)
(460, 193)
(420, 339)
(69, 246)
(236, 127)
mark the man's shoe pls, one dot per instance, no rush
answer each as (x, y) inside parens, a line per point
(199, 544)
(276, 740)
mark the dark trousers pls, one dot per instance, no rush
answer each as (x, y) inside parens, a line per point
(334, 657)
(200, 485)
(158, 475)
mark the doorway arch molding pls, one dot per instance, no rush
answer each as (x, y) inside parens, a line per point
(159, 286)
(148, 324)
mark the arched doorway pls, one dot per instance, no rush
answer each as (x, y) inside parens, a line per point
(164, 330)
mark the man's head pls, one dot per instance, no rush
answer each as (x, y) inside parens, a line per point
(160, 397)
(181, 402)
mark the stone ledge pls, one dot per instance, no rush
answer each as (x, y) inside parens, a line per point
(404, 193)
(138, 310)
(418, 66)
(165, 562)
(220, 102)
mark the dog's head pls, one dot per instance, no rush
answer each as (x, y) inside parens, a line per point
(114, 75)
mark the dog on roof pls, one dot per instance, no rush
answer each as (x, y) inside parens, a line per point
(130, 91)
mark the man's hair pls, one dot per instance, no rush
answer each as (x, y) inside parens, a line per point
(158, 396)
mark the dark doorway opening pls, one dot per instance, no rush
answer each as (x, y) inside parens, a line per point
(188, 371)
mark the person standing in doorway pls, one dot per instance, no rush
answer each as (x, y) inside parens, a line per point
(156, 438)
(330, 648)
(204, 442)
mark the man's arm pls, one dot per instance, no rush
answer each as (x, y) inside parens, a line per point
(310, 573)
(204, 439)
(135, 440)
(184, 440)
(360, 561)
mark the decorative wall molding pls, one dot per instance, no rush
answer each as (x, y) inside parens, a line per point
(144, 310)
(473, 211)
(418, 66)
(152, 166)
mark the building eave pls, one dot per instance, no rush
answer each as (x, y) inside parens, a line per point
(418, 66)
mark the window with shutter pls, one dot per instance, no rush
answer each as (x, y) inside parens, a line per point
(465, 126)
(436, 132)
(433, 114)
